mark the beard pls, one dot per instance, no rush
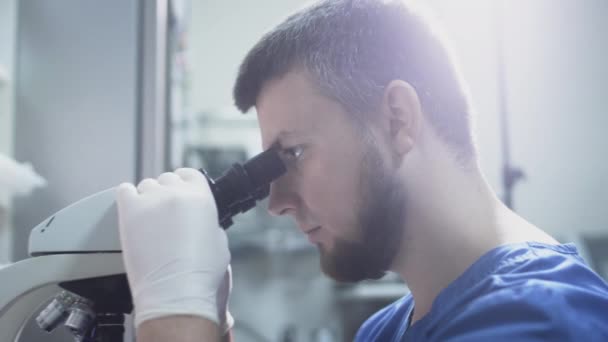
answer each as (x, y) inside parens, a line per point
(381, 217)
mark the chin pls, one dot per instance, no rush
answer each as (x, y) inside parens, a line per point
(348, 265)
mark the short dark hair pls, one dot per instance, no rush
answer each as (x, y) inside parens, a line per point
(353, 49)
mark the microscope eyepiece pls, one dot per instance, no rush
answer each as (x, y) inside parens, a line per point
(240, 187)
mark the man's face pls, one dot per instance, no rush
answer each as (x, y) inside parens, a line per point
(337, 186)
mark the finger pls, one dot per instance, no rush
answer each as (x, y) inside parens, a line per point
(169, 178)
(125, 193)
(147, 184)
(190, 175)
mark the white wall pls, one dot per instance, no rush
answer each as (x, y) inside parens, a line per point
(557, 85)
(554, 53)
(76, 102)
(221, 34)
(7, 61)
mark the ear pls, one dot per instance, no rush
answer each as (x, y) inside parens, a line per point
(402, 117)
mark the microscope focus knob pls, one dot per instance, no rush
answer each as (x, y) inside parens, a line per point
(80, 319)
(55, 312)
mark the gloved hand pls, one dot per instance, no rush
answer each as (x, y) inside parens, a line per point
(176, 254)
(223, 296)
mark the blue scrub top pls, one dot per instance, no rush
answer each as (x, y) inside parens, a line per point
(519, 292)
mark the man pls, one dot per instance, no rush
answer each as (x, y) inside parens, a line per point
(373, 122)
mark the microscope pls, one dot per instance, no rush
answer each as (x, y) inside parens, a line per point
(76, 263)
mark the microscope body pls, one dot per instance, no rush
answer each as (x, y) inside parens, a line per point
(75, 250)
(77, 253)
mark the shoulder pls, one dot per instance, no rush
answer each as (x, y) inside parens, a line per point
(540, 292)
(384, 324)
(537, 310)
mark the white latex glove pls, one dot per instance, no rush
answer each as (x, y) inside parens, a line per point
(175, 253)
(222, 297)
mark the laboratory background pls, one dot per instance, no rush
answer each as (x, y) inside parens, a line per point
(95, 93)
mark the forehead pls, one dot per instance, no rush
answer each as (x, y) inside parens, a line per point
(293, 105)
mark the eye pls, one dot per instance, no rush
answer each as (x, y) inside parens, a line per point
(292, 153)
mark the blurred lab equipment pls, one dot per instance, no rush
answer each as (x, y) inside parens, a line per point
(17, 179)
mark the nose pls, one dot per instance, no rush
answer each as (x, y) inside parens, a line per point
(282, 199)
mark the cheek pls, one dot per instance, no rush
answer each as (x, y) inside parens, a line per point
(331, 192)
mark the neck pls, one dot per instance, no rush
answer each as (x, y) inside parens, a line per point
(456, 220)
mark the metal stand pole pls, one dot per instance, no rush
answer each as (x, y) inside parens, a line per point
(510, 174)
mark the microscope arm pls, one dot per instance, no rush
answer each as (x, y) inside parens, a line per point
(87, 226)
